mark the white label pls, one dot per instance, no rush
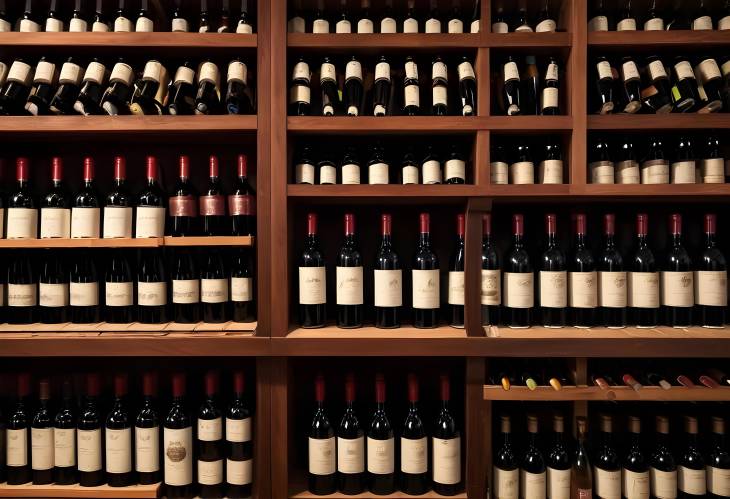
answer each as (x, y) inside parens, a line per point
(55, 222)
(583, 289)
(84, 222)
(711, 288)
(466, 71)
(21, 295)
(54, 25)
(433, 26)
(178, 452)
(692, 482)
(19, 72)
(122, 73)
(455, 168)
(713, 168)
(550, 171)
(300, 93)
(122, 25)
(350, 174)
(522, 172)
(64, 447)
(53, 295)
(388, 288)
(677, 289)
(519, 290)
(214, 290)
(77, 25)
(312, 286)
(657, 70)
(613, 289)
(152, 294)
(702, 23)
(381, 456)
(709, 70)
(439, 71)
(209, 72)
(553, 289)
(327, 72)
(414, 455)
(724, 23)
(607, 483)
(117, 222)
(241, 289)
(296, 25)
(644, 289)
(343, 26)
(89, 449)
(684, 70)
(144, 25)
(635, 485)
(431, 172)
(5, 26)
(626, 25)
(627, 172)
(353, 70)
(365, 26)
(150, 221)
(718, 481)
(683, 172)
(210, 430)
(28, 26)
(70, 73)
(239, 472)
(410, 25)
(604, 70)
(655, 171)
(351, 455)
(524, 28)
(22, 223)
(630, 71)
(558, 484)
(601, 172)
(349, 285)
(210, 472)
(180, 25)
(506, 483)
(238, 430)
(382, 71)
(41, 448)
(327, 175)
(546, 26)
(84, 294)
(320, 26)
(412, 95)
(598, 23)
(456, 288)
(447, 460)
(388, 25)
(491, 287)
(663, 483)
(304, 173)
(426, 289)
(322, 456)
(378, 174)
(44, 72)
(440, 95)
(655, 24)
(532, 485)
(550, 97)
(118, 450)
(119, 294)
(456, 26)
(185, 291)
(17, 447)
(500, 27)
(237, 71)
(410, 174)
(498, 172)
(98, 27)
(147, 449)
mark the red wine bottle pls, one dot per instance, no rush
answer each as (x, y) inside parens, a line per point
(446, 446)
(17, 447)
(312, 279)
(239, 443)
(382, 88)
(558, 462)
(89, 436)
(380, 446)
(644, 279)
(147, 435)
(388, 279)
(413, 446)
(22, 214)
(322, 455)
(177, 446)
(426, 279)
(243, 304)
(214, 292)
(506, 468)
(300, 94)
(663, 468)
(532, 467)
(582, 278)
(456, 275)
(349, 279)
(210, 441)
(242, 202)
(710, 279)
(691, 473)
(118, 204)
(53, 288)
(212, 202)
(635, 465)
(55, 211)
(151, 205)
(183, 209)
(41, 438)
(185, 277)
(677, 280)
(519, 295)
(606, 465)
(207, 99)
(64, 438)
(553, 279)
(84, 289)
(118, 289)
(718, 461)
(612, 280)
(350, 445)
(151, 288)
(491, 295)
(118, 438)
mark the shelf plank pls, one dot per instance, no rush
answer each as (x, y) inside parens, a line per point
(522, 124)
(654, 191)
(648, 122)
(130, 40)
(303, 493)
(653, 40)
(364, 125)
(528, 40)
(151, 242)
(383, 193)
(622, 393)
(77, 491)
(379, 42)
(247, 241)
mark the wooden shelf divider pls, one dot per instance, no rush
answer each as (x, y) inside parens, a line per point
(77, 491)
(209, 241)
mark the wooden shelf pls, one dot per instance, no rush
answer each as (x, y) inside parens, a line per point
(653, 40)
(378, 42)
(385, 194)
(151, 242)
(303, 493)
(646, 123)
(77, 491)
(247, 241)
(162, 40)
(622, 393)
(522, 124)
(659, 191)
(528, 40)
(369, 125)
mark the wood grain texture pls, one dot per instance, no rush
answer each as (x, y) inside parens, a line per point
(158, 40)
(653, 40)
(77, 491)
(299, 491)
(527, 40)
(203, 241)
(477, 432)
(392, 192)
(644, 122)
(409, 125)
(382, 42)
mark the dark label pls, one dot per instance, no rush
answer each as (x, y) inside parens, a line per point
(242, 205)
(182, 206)
(212, 206)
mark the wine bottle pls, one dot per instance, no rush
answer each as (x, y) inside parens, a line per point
(300, 95)
(685, 92)
(44, 81)
(350, 167)
(455, 24)
(612, 279)
(433, 23)
(718, 461)
(349, 279)
(455, 167)
(185, 279)
(327, 169)
(85, 214)
(382, 88)
(655, 166)
(439, 88)
(701, 19)
(691, 474)
(600, 164)
(476, 17)
(64, 438)
(28, 23)
(491, 292)
(179, 21)
(581, 477)
(710, 81)
(431, 167)
(214, 292)
(207, 99)
(456, 276)
(77, 24)
(320, 24)
(322, 455)
(597, 17)
(212, 202)
(723, 22)
(550, 169)
(643, 280)
(116, 97)
(224, 17)
(582, 279)
(521, 24)
(522, 169)
(532, 465)
(118, 438)
(89, 436)
(499, 23)
(151, 202)
(498, 167)
(677, 280)
(150, 91)
(378, 167)
(100, 24)
(711, 273)
(409, 168)
(83, 289)
(151, 288)
(55, 212)
(365, 23)
(177, 445)
(53, 289)
(631, 95)
(606, 466)
(635, 465)
(511, 87)
(41, 438)
(411, 98)
(426, 288)
(343, 24)
(712, 164)
(558, 462)
(183, 203)
(654, 20)
(119, 288)
(545, 20)
(550, 97)
(329, 87)
(238, 95)
(388, 280)
(467, 88)
(16, 88)
(604, 86)
(663, 469)
(683, 167)
(242, 289)
(410, 23)
(181, 100)
(22, 282)
(17, 446)
(626, 19)
(69, 86)
(5, 25)
(312, 279)
(242, 202)
(380, 446)
(244, 23)
(88, 101)
(204, 24)
(518, 280)
(147, 435)
(122, 23)
(553, 279)
(529, 88)
(53, 23)
(350, 446)
(210, 441)
(239, 445)
(626, 167)
(657, 96)
(414, 446)
(506, 483)
(354, 90)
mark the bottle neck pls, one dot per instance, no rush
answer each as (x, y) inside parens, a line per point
(424, 239)
(413, 406)
(610, 241)
(676, 240)
(518, 240)
(486, 240)
(710, 236)
(551, 240)
(580, 240)
(532, 439)
(380, 407)
(559, 437)
(641, 239)
(692, 440)
(386, 241)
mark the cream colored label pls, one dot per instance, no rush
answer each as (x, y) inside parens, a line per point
(152, 294)
(524, 28)
(84, 222)
(353, 70)
(506, 483)
(410, 25)
(604, 70)
(613, 289)
(446, 460)
(19, 72)
(304, 173)
(209, 72)
(693, 482)
(53, 295)
(54, 25)
(118, 450)
(663, 483)
(583, 289)
(388, 25)
(522, 172)
(55, 223)
(627, 172)
(412, 96)
(147, 449)
(378, 173)
(456, 26)
(178, 454)
(150, 221)
(381, 456)
(238, 430)
(70, 73)
(466, 71)
(122, 73)
(532, 485)
(431, 171)
(433, 26)
(239, 472)
(711, 287)
(185, 291)
(644, 289)
(312, 286)
(551, 73)
(550, 171)
(64, 447)
(95, 73)
(607, 483)
(683, 172)
(702, 23)
(351, 455)
(17, 447)
(684, 70)
(144, 25)
(553, 289)
(718, 481)
(519, 290)
(491, 287)
(21, 295)
(89, 449)
(180, 25)
(184, 74)
(84, 294)
(241, 289)
(237, 71)
(500, 27)
(5, 26)
(656, 24)
(550, 97)
(322, 456)
(456, 288)
(546, 26)
(630, 71)
(122, 25)
(28, 26)
(498, 172)
(296, 25)
(349, 285)
(327, 72)
(320, 26)
(714, 167)
(657, 70)
(22, 223)
(558, 484)
(365, 26)
(414, 455)
(350, 174)
(511, 72)
(388, 288)
(626, 25)
(655, 171)
(635, 485)
(98, 27)
(410, 175)
(44, 73)
(343, 26)
(426, 289)
(214, 290)
(210, 472)
(210, 430)
(677, 289)
(119, 294)
(327, 175)
(601, 172)
(722, 25)
(440, 95)
(41, 454)
(382, 71)
(455, 168)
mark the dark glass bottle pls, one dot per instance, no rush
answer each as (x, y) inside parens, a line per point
(28, 23)
(350, 167)
(550, 100)
(491, 294)
(185, 279)
(55, 210)
(506, 468)
(411, 89)
(631, 97)
(99, 24)
(118, 438)
(179, 21)
(213, 202)
(414, 473)
(456, 275)
(351, 445)
(239, 445)
(242, 202)
(388, 279)
(44, 81)
(238, 95)
(467, 87)
(582, 278)
(207, 98)
(83, 289)
(426, 279)
(691, 473)
(144, 22)
(322, 455)
(439, 88)
(122, 23)
(69, 86)
(532, 466)
(559, 461)
(183, 203)
(88, 101)
(204, 24)
(635, 465)
(511, 87)
(663, 468)
(354, 89)
(150, 90)
(711, 273)
(17, 434)
(455, 167)
(243, 303)
(677, 282)
(381, 446)
(528, 84)
(612, 279)
(604, 92)
(210, 454)
(64, 438)
(85, 211)
(349, 279)
(181, 100)
(553, 279)
(382, 88)
(607, 465)
(41, 436)
(312, 279)
(53, 294)
(177, 446)
(225, 18)
(685, 91)
(658, 95)
(581, 477)
(643, 279)
(116, 97)
(147, 435)
(654, 20)
(244, 22)
(151, 288)
(53, 23)
(300, 93)
(718, 459)
(329, 87)
(214, 292)
(119, 288)
(519, 295)
(89, 436)
(446, 446)
(151, 203)
(16, 88)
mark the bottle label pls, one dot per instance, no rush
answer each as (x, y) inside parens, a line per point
(456, 26)
(546, 26)
(320, 26)
(71, 74)
(519, 290)
(466, 71)
(44, 73)
(312, 286)
(64, 447)
(301, 71)
(411, 71)
(607, 483)
(533, 485)
(553, 289)
(208, 72)
(84, 223)
(21, 295)
(713, 169)
(550, 97)
(498, 172)
(180, 25)
(98, 27)
(635, 485)
(322, 456)
(426, 289)
(350, 174)
(455, 168)
(327, 174)
(239, 472)
(349, 285)
(89, 449)
(185, 291)
(388, 288)
(412, 95)
(241, 289)
(296, 25)
(657, 70)
(152, 294)
(238, 430)
(304, 174)
(53, 295)
(604, 70)
(644, 289)
(41, 448)
(724, 23)
(28, 26)
(414, 455)
(718, 481)
(22, 223)
(431, 172)
(84, 294)
(684, 70)
(365, 26)
(210, 472)
(184, 74)
(382, 71)
(491, 287)
(683, 172)
(122, 73)
(500, 27)
(119, 294)
(351, 455)
(241, 204)
(300, 93)
(178, 452)
(506, 483)
(353, 70)
(550, 171)
(147, 449)
(655, 24)
(584, 493)
(627, 172)
(55, 223)
(613, 289)
(626, 25)
(381, 456)
(711, 287)
(150, 221)
(709, 70)
(55, 25)
(456, 288)
(583, 289)
(237, 71)
(20, 73)
(183, 206)
(118, 450)
(410, 175)
(522, 172)
(601, 172)
(558, 484)
(17, 447)
(212, 206)
(692, 482)
(95, 73)
(440, 96)
(5, 27)
(655, 171)
(439, 71)
(410, 25)
(144, 25)
(598, 23)
(378, 174)
(677, 289)
(433, 26)
(447, 460)
(551, 73)
(524, 28)
(214, 290)
(663, 483)
(327, 72)
(702, 23)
